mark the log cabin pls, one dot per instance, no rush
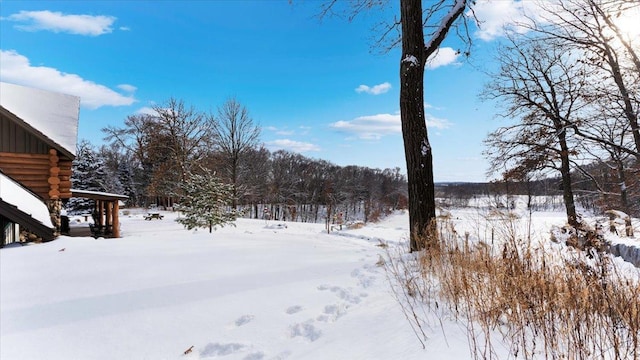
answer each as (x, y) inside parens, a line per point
(38, 135)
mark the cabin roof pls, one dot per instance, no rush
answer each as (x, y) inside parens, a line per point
(48, 114)
(22, 199)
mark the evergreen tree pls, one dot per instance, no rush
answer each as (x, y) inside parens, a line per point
(205, 202)
(125, 178)
(88, 174)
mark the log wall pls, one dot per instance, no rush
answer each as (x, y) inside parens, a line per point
(47, 175)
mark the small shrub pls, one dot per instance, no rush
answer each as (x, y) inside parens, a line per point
(375, 215)
(355, 225)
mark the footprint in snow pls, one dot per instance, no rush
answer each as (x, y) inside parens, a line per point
(341, 293)
(305, 330)
(364, 279)
(217, 349)
(293, 309)
(333, 312)
(244, 319)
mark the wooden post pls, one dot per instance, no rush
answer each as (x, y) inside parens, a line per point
(107, 216)
(116, 221)
(100, 212)
(53, 203)
(54, 172)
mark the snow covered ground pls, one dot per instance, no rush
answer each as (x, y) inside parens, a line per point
(256, 291)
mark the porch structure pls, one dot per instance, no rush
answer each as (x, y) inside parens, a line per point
(105, 213)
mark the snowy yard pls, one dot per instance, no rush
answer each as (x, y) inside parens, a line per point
(256, 291)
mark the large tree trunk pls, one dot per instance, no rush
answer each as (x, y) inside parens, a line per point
(622, 180)
(417, 149)
(567, 189)
(234, 181)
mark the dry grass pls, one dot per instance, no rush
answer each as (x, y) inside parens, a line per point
(538, 303)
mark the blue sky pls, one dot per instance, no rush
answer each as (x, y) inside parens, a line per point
(315, 87)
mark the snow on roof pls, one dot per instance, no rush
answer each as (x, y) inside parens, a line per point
(97, 195)
(24, 200)
(55, 115)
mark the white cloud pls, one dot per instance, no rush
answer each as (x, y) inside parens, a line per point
(500, 17)
(304, 130)
(374, 127)
(17, 69)
(128, 88)
(370, 127)
(497, 17)
(147, 111)
(437, 123)
(444, 56)
(278, 131)
(517, 16)
(59, 22)
(374, 90)
(292, 145)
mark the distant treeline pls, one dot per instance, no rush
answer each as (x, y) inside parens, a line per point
(596, 189)
(151, 155)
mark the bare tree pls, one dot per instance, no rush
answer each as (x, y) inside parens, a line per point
(438, 19)
(253, 175)
(608, 124)
(540, 85)
(234, 133)
(417, 149)
(186, 134)
(619, 163)
(607, 53)
(167, 145)
(135, 138)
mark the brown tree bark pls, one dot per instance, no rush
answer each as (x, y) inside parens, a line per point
(567, 186)
(415, 52)
(418, 152)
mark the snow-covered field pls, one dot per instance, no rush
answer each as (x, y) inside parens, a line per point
(256, 291)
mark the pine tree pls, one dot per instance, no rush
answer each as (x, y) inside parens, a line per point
(88, 174)
(205, 202)
(125, 178)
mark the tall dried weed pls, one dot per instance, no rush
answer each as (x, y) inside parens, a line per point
(537, 302)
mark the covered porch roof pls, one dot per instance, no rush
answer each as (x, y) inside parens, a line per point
(97, 195)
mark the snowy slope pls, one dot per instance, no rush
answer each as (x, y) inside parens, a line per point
(256, 291)
(250, 292)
